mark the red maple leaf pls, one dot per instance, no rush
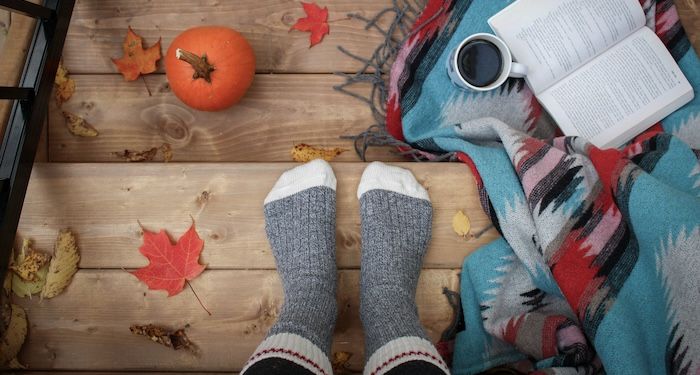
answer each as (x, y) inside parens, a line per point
(316, 21)
(170, 264)
(136, 60)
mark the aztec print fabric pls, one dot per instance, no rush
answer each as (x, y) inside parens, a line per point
(598, 266)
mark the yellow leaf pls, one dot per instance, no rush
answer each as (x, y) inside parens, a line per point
(65, 86)
(15, 332)
(16, 365)
(78, 126)
(303, 153)
(461, 224)
(24, 288)
(63, 265)
(29, 262)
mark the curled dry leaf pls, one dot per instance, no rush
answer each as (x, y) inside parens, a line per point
(461, 224)
(29, 262)
(14, 320)
(340, 362)
(136, 60)
(64, 85)
(78, 126)
(63, 265)
(172, 339)
(303, 153)
(146, 155)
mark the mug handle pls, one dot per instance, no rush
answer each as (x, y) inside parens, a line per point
(517, 70)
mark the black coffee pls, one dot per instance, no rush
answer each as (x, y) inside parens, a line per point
(480, 62)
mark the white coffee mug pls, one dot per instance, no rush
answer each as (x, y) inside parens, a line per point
(509, 68)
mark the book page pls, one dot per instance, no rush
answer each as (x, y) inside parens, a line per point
(619, 93)
(555, 37)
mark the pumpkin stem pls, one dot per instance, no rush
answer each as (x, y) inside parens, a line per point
(202, 67)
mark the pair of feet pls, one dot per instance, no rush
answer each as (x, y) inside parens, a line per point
(396, 217)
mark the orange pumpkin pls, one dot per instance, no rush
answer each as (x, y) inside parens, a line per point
(210, 68)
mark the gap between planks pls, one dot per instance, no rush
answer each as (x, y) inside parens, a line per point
(103, 204)
(87, 326)
(97, 31)
(278, 112)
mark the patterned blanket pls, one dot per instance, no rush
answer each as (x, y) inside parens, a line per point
(598, 268)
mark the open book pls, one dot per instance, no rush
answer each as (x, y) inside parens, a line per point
(594, 65)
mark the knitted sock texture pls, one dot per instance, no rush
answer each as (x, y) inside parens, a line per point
(396, 229)
(301, 231)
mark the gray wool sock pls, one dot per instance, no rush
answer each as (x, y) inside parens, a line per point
(396, 219)
(300, 225)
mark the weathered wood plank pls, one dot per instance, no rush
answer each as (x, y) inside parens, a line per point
(12, 56)
(278, 112)
(87, 327)
(689, 12)
(103, 204)
(98, 27)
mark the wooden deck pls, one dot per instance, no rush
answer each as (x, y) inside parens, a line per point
(223, 165)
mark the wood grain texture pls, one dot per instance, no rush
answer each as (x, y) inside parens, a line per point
(87, 327)
(12, 57)
(103, 204)
(278, 112)
(98, 27)
(689, 12)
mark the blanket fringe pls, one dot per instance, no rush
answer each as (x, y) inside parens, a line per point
(375, 70)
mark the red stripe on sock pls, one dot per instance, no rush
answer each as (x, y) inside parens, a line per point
(288, 352)
(406, 354)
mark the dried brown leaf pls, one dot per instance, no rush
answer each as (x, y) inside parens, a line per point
(29, 262)
(303, 153)
(15, 332)
(78, 126)
(63, 265)
(146, 155)
(65, 86)
(172, 339)
(137, 156)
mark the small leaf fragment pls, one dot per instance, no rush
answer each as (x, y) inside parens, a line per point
(167, 152)
(461, 224)
(340, 362)
(65, 86)
(15, 323)
(63, 265)
(146, 155)
(29, 262)
(303, 153)
(172, 339)
(78, 126)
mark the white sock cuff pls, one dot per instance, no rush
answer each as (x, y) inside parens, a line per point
(402, 350)
(314, 173)
(380, 176)
(293, 348)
